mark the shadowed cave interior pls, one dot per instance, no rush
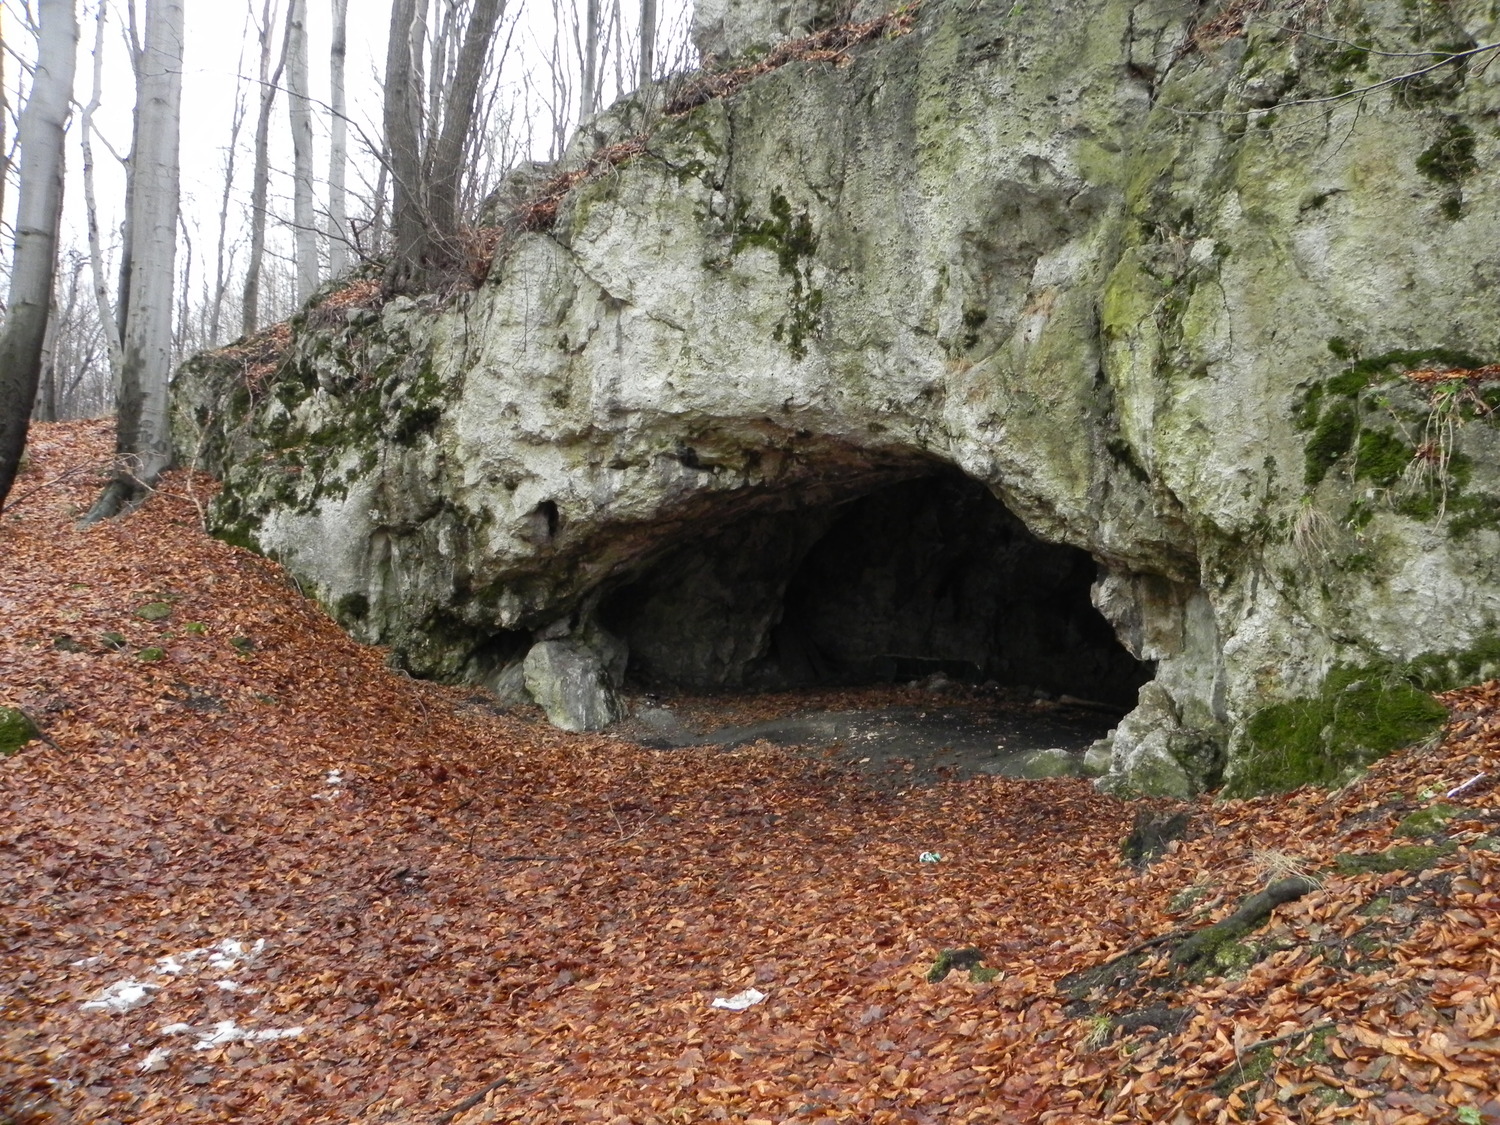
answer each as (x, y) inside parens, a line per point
(927, 575)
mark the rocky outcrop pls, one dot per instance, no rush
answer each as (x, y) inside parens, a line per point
(1153, 274)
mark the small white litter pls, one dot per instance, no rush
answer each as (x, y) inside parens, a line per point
(930, 857)
(739, 1001)
(121, 996)
(1456, 790)
(156, 1060)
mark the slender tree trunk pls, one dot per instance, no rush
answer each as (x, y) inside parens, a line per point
(261, 176)
(38, 207)
(648, 41)
(338, 145)
(223, 258)
(4, 120)
(109, 323)
(143, 441)
(589, 102)
(45, 407)
(403, 108)
(447, 162)
(122, 295)
(305, 230)
(377, 209)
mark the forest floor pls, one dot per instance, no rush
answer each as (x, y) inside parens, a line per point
(254, 875)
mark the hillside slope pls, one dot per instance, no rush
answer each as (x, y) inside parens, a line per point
(427, 911)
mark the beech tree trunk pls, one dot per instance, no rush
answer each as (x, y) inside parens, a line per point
(261, 175)
(427, 180)
(648, 41)
(589, 101)
(143, 443)
(299, 109)
(338, 145)
(38, 206)
(403, 140)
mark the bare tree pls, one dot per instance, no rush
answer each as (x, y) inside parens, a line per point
(76, 382)
(427, 177)
(39, 207)
(224, 259)
(143, 439)
(299, 109)
(107, 319)
(261, 175)
(338, 144)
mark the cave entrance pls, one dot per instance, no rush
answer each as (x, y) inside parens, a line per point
(928, 575)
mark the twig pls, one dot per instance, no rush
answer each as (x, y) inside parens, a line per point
(474, 1099)
(1290, 1035)
(1355, 93)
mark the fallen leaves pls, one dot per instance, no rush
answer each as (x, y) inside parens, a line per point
(475, 918)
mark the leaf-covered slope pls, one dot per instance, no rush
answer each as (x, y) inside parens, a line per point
(453, 901)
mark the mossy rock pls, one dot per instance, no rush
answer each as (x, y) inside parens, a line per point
(969, 958)
(1360, 715)
(16, 730)
(1426, 822)
(1402, 857)
(155, 611)
(151, 655)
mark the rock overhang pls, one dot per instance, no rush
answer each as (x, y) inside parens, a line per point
(1101, 289)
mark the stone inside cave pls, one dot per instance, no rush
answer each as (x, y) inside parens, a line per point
(927, 575)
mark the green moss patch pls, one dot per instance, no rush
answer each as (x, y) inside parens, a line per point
(16, 730)
(1360, 715)
(794, 242)
(1349, 423)
(1447, 670)
(1428, 822)
(1450, 158)
(1402, 857)
(154, 611)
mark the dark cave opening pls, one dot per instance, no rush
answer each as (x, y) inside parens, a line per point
(928, 575)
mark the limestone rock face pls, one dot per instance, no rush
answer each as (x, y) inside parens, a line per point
(1154, 282)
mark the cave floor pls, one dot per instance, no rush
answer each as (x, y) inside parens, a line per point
(896, 736)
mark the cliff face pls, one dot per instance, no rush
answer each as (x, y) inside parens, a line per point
(1140, 272)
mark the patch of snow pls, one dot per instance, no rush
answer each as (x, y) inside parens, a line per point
(121, 996)
(224, 954)
(227, 1031)
(87, 962)
(176, 1028)
(156, 1060)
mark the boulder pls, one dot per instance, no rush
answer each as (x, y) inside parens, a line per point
(569, 680)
